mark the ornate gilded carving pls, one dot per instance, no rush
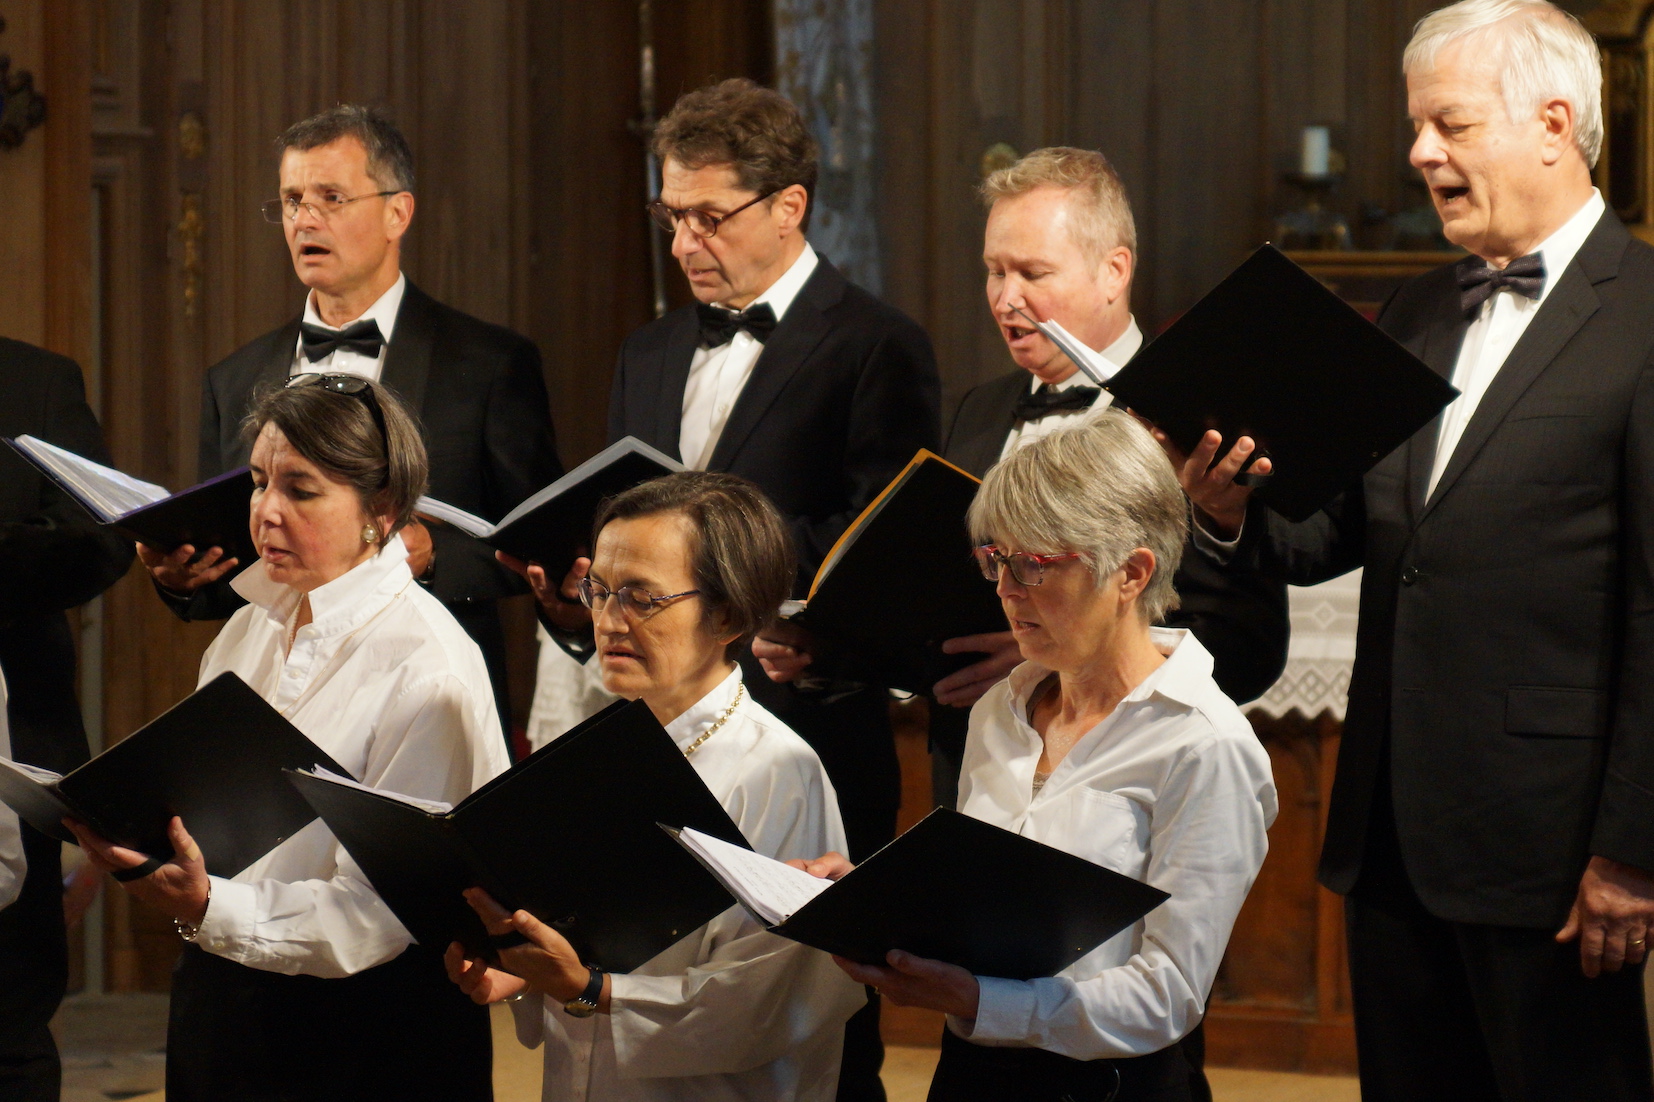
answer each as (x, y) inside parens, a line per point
(192, 225)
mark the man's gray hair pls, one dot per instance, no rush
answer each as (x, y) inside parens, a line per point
(1103, 488)
(390, 161)
(1102, 212)
(1541, 53)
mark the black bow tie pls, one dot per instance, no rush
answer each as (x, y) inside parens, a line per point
(1048, 399)
(360, 337)
(1523, 276)
(719, 326)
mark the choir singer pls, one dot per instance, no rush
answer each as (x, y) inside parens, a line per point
(687, 569)
(298, 981)
(1110, 741)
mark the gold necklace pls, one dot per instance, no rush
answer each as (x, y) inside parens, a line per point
(740, 691)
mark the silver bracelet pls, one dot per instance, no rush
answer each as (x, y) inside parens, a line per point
(190, 932)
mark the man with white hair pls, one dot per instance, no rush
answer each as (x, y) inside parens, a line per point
(1491, 818)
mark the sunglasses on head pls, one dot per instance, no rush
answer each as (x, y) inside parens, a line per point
(357, 387)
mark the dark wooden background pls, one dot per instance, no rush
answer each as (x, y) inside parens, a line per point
(145, 257)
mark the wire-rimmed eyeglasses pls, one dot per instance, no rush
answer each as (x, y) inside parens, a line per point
(702, 223)
(1027, 568)
(287, 208)
(636, 601)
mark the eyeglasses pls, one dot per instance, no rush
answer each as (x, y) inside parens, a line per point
(635, 601)
(288, 207)
(1028, 569)
(702, 223)
(357, 387)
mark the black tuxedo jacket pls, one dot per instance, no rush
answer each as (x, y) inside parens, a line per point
(1504, 672)
(844, 393)
(481, 402)
(1240, 617)
(52, 555)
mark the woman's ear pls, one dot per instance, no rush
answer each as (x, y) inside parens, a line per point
(1139, 571)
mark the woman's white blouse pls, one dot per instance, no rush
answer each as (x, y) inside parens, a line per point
(386, 681)
(1173, 788)
(730, 1012)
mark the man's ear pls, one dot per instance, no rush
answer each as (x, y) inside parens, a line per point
(789, 207)
(399, 210)
(1116, 274)
(1557, 115)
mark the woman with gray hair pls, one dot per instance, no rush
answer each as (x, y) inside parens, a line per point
(1112, 742)
(296, 981)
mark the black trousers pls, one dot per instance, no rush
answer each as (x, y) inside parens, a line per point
(397, 1032)
(977, 1073)
(1457, 1012)
(34, 970)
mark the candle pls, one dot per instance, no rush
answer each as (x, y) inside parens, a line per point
(1317, 146)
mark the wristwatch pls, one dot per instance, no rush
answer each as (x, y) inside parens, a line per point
(584, 1005)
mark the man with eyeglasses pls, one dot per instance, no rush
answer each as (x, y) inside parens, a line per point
(345, 205)
(789, 375)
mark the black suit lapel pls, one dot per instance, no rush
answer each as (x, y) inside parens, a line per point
(1564, 310)
(408, 355)
(986, 419)
(1442, 340)
(675, 356)
(803, 327)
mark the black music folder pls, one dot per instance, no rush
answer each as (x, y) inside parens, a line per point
(568, 834)
(215, 759)
(1273, 354)
(902, 579)
(952, 888)
(211, 514)
(554, 523)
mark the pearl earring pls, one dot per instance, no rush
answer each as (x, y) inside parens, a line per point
(370, 534)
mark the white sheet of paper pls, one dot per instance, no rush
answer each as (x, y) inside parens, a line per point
(107, 491)
(469, 523)
(435, 807)
(770, 889)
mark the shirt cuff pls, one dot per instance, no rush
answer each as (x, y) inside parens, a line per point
(1217, 549)
(230, 918)
(1004, 1011)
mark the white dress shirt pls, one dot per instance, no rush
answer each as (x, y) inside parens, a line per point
(718, 375)
(731, 1013)
(1026, 432)
(1499, 324)
(1173, 788)
(343, 360)
(12, 866)
(385, 680)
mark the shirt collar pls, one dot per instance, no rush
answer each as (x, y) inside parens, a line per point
(780, 294)
(383, 310)
(1125, 346)
(705, 711)
(1561, 247)
(340, 605)
(1179, 679)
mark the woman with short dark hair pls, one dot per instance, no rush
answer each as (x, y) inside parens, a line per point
(686, 569)
(297, 981)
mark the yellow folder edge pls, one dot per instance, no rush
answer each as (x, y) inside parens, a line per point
(861, 521)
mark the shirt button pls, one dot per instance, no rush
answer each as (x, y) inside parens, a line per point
(1409, 575)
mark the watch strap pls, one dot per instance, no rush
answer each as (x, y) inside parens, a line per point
(584, 1005)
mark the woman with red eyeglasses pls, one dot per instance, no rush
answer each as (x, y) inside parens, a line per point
(1110, 741)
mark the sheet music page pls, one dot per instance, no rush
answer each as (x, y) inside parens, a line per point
(469, 523)
(108, 492)
(772, 890)
(33, 772)
(435, 807)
